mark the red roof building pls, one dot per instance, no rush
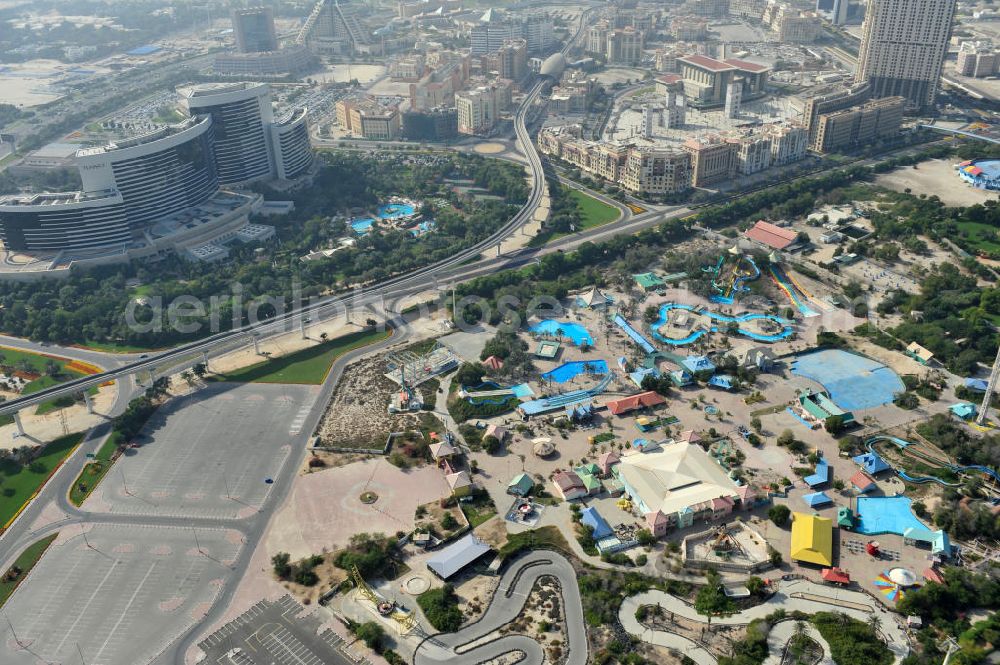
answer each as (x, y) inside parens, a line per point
(746, 65)
(863, 482)
(669, 79)
(932, 575)
(773, 236)
(835, 576)
(493, 363)
(705, 62)
(635, 402)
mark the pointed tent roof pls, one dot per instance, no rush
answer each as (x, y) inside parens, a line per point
(493, 363)
(845, 517)
(443, 449)
(458, 480)
(872, 463)
(593, 296)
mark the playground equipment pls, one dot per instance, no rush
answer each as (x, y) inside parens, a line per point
(406, 620)
(908, 448)
(725, 544)
(733, 282)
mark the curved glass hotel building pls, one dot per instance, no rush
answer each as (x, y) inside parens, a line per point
(229, 139)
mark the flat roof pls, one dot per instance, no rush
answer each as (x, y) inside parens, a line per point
(706, 62)
(746, 65)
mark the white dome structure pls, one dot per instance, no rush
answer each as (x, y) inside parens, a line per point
(554, 66)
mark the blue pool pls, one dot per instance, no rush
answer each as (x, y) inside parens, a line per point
(854, 382)
(574, 331)
(882, 514)
(395, 210)
(786, 328)
(362, 226)
(568, 371)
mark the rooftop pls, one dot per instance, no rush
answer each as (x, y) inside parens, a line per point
(705, 62)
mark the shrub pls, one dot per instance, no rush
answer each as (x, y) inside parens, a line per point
(440, 606)
(779, 514)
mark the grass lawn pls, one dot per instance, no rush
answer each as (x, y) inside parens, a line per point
(24, 563)
(980, 236)
(36, 362)
(93, 472)
(593, 213)
(111, 347)
(18, 483)
(478, 514)
(547, 536)
(308, 366)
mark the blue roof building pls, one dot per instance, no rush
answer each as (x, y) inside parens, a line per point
(822, 474)
(963, 410)
(593, 519)
(681, 378)
(695, 364)
(872, 462)
(817, 499)
(979, 385)
(723, 381)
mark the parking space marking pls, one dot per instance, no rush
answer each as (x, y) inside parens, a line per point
(125, 611)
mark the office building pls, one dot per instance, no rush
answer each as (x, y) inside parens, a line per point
(440, 124)
(64, 221)
(437, 86)
(751, 153)
(493, 30)
(752, 9)
(510, 61)
(241, 114)
(859, 125)
(827, 101)
(624, 46)
(479, 108)
(903, 46)
(977, 59)
(706, 80)
(156, 174)
(254, 30)
(366, 118)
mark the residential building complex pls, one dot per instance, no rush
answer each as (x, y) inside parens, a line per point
(366, 117)
(859, 125)
(977, 59)
(479, 108)
(493, 30)
(903, 46)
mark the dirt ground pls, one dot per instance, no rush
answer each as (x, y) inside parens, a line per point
(54, 424)
(935, 177)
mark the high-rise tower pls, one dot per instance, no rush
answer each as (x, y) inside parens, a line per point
(254, 29)
(903, 46)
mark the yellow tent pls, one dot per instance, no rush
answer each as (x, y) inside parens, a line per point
(812, 539)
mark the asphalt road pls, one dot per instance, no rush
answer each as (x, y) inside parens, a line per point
(505, 606)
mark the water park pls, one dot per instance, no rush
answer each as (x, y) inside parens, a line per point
(909, 458)
(730, 275)
(569, 371)
(563, 330)
(680, 322)
(397, 212)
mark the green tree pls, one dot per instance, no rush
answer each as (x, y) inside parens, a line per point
(779, 514)
(282, 566)
(712, 599)
(371, 634)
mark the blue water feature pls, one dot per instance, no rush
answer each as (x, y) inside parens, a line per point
(853, 381)
(786, 328)
(957, 468)
(885, 514)
(522, 390)
(395, 210)
(634, 334)
(569, 371)
(738, 285)
(573, 331)
(362, 226)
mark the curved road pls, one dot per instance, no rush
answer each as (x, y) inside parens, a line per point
(468, 645)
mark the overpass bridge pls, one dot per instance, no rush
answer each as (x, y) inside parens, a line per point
(961, 132)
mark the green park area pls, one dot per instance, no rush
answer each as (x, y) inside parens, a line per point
(593, 212)
(980, 237)
(19, 480)
(93, 472)
(51, 371)
(22, 566)
(308, 366)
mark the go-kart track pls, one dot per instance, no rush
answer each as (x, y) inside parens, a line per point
(480, 641)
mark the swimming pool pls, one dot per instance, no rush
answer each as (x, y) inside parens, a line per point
(574, 331)
(362, 226)
(853, 381)
(395, 210)
(885, 514)
(786, 328)
(568, 371)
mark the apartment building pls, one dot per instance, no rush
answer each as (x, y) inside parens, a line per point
(712, 159)
(903, 47)
(977, 59)
(859, 125)
(479, 108)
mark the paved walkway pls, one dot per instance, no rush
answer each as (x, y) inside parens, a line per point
(783, 632)
(791, 596)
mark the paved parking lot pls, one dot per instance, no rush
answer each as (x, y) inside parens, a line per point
(273, 633)
(117, 597)
(209, 454)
